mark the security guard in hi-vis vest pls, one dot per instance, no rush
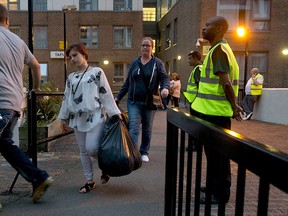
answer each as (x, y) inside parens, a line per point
(194, 78)
(253, 89)
(216, 99)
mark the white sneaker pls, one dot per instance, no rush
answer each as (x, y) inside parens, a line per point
(247, 117)
(243, 115)
(145, 158)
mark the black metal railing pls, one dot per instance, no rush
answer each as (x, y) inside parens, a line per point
(185, 167)
(33, 142)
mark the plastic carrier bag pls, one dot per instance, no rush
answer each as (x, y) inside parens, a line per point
(118, 155)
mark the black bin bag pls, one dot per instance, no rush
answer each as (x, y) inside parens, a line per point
(118, 155)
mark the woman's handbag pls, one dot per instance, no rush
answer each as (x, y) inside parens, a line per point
(157, 100)
(118, 155)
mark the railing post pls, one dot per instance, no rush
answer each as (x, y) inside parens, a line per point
(32, 145)
(171, 170)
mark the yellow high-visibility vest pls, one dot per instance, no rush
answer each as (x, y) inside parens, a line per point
(256, 89)
(211, 99)
(191, 90)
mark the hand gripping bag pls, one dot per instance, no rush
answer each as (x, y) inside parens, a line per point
(118, 155)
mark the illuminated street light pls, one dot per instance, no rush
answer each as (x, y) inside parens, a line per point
(285, 51)
(65, 9)
(242, 33)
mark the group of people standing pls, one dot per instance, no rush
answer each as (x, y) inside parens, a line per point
(88, 100)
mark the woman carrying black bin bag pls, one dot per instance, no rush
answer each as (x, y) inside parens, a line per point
(118, 155)
(87, 100)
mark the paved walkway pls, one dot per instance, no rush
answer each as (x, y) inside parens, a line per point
(140, 193)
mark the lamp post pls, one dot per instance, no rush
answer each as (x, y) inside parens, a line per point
(65, 9)
(242, 33)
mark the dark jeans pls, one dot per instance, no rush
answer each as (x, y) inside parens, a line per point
(18, 159)
(139, 114)
(220, 165)
(248, 103)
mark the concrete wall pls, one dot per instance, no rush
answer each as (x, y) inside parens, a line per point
(272, 106)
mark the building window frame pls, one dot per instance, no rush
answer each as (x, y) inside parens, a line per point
(13, 5)
(168, 36)
(175, 32)
(255, 59)
(89, 35)
(149, 14)
(44, 72)
(40, 5)
(40, 40)
(122, 37)
(120, 71)
(88, 5)
(122, 5)
(258, 14)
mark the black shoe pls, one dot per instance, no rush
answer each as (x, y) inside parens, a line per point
(203, 201)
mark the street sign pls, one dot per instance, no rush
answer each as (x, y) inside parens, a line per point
(61, 45)
(57, 54)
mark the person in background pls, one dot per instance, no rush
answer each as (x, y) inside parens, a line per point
(144, 77)
(175, 86)
(14, 54)
(194, 78)
(253, 89)
(87, 100)
(216, 100)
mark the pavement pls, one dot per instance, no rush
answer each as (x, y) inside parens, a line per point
(139, 193)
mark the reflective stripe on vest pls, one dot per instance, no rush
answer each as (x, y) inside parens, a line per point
(211, 98)
(191, 90)
(256, 89)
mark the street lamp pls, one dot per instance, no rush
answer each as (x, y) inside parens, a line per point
(65, 9)
(242, 33)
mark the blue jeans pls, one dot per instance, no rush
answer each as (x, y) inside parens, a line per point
(139, 114)
(18, 159)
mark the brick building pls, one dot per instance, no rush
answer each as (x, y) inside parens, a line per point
(180, 23)
(112, 31)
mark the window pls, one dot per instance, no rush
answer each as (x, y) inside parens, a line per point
(89, 36)
(120, 71)
(167, 67)
(44, 72)
(149, 14)
(40, 37)
(16, 30)
(175, 68)
(257, 13)
(169, 4)
(260, 15)
(122, 5)
(175, 31)
(88, 5)
(230, 10)
(259, 60)
(12, 5)
(122, 37)
(168, 36)
(40, 5)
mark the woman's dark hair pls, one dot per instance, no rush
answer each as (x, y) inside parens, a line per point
(79, 47)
